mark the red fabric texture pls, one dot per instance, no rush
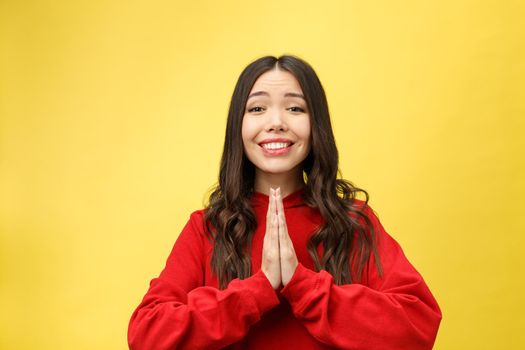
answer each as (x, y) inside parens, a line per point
(184, 309)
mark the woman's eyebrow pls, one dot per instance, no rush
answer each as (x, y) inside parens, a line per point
(264, 93)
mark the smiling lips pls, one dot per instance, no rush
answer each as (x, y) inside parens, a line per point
(276, 147)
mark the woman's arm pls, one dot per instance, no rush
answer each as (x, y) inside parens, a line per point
(179, 312)
(397, 311)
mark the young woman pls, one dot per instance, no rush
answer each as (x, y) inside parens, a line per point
(284, 255)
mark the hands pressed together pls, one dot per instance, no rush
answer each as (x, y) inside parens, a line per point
(278, 256)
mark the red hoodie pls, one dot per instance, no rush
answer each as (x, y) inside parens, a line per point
(184, 309)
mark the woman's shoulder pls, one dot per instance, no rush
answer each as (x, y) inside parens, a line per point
(198, 213)
(200, 224)
(363, 208)
(368, 218)
(194, 231)
(197, 219)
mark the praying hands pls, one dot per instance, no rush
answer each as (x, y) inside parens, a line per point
(278, 256)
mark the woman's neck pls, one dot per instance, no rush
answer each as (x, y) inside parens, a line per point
(288, 182)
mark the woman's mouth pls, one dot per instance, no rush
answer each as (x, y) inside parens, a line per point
(276, 148)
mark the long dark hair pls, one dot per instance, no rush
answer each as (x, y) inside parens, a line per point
(347, 243)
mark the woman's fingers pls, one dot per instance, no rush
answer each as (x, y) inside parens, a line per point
(283, 229)
(269, 212)
(288, 258)
(274, 238)
(280, 213)
(271, 265)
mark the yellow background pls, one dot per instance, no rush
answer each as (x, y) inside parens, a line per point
(112, 119)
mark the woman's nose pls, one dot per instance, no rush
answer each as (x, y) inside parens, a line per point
(276, 121)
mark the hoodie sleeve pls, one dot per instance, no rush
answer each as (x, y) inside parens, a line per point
(397, 311)
(178, 312)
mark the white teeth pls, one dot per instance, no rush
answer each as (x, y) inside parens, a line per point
(275, 145)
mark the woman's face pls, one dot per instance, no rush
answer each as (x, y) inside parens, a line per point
(276, 124)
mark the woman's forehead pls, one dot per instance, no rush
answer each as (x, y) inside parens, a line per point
(277, 80)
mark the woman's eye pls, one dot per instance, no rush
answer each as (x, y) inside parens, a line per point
(255, 109)
(296, 109)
